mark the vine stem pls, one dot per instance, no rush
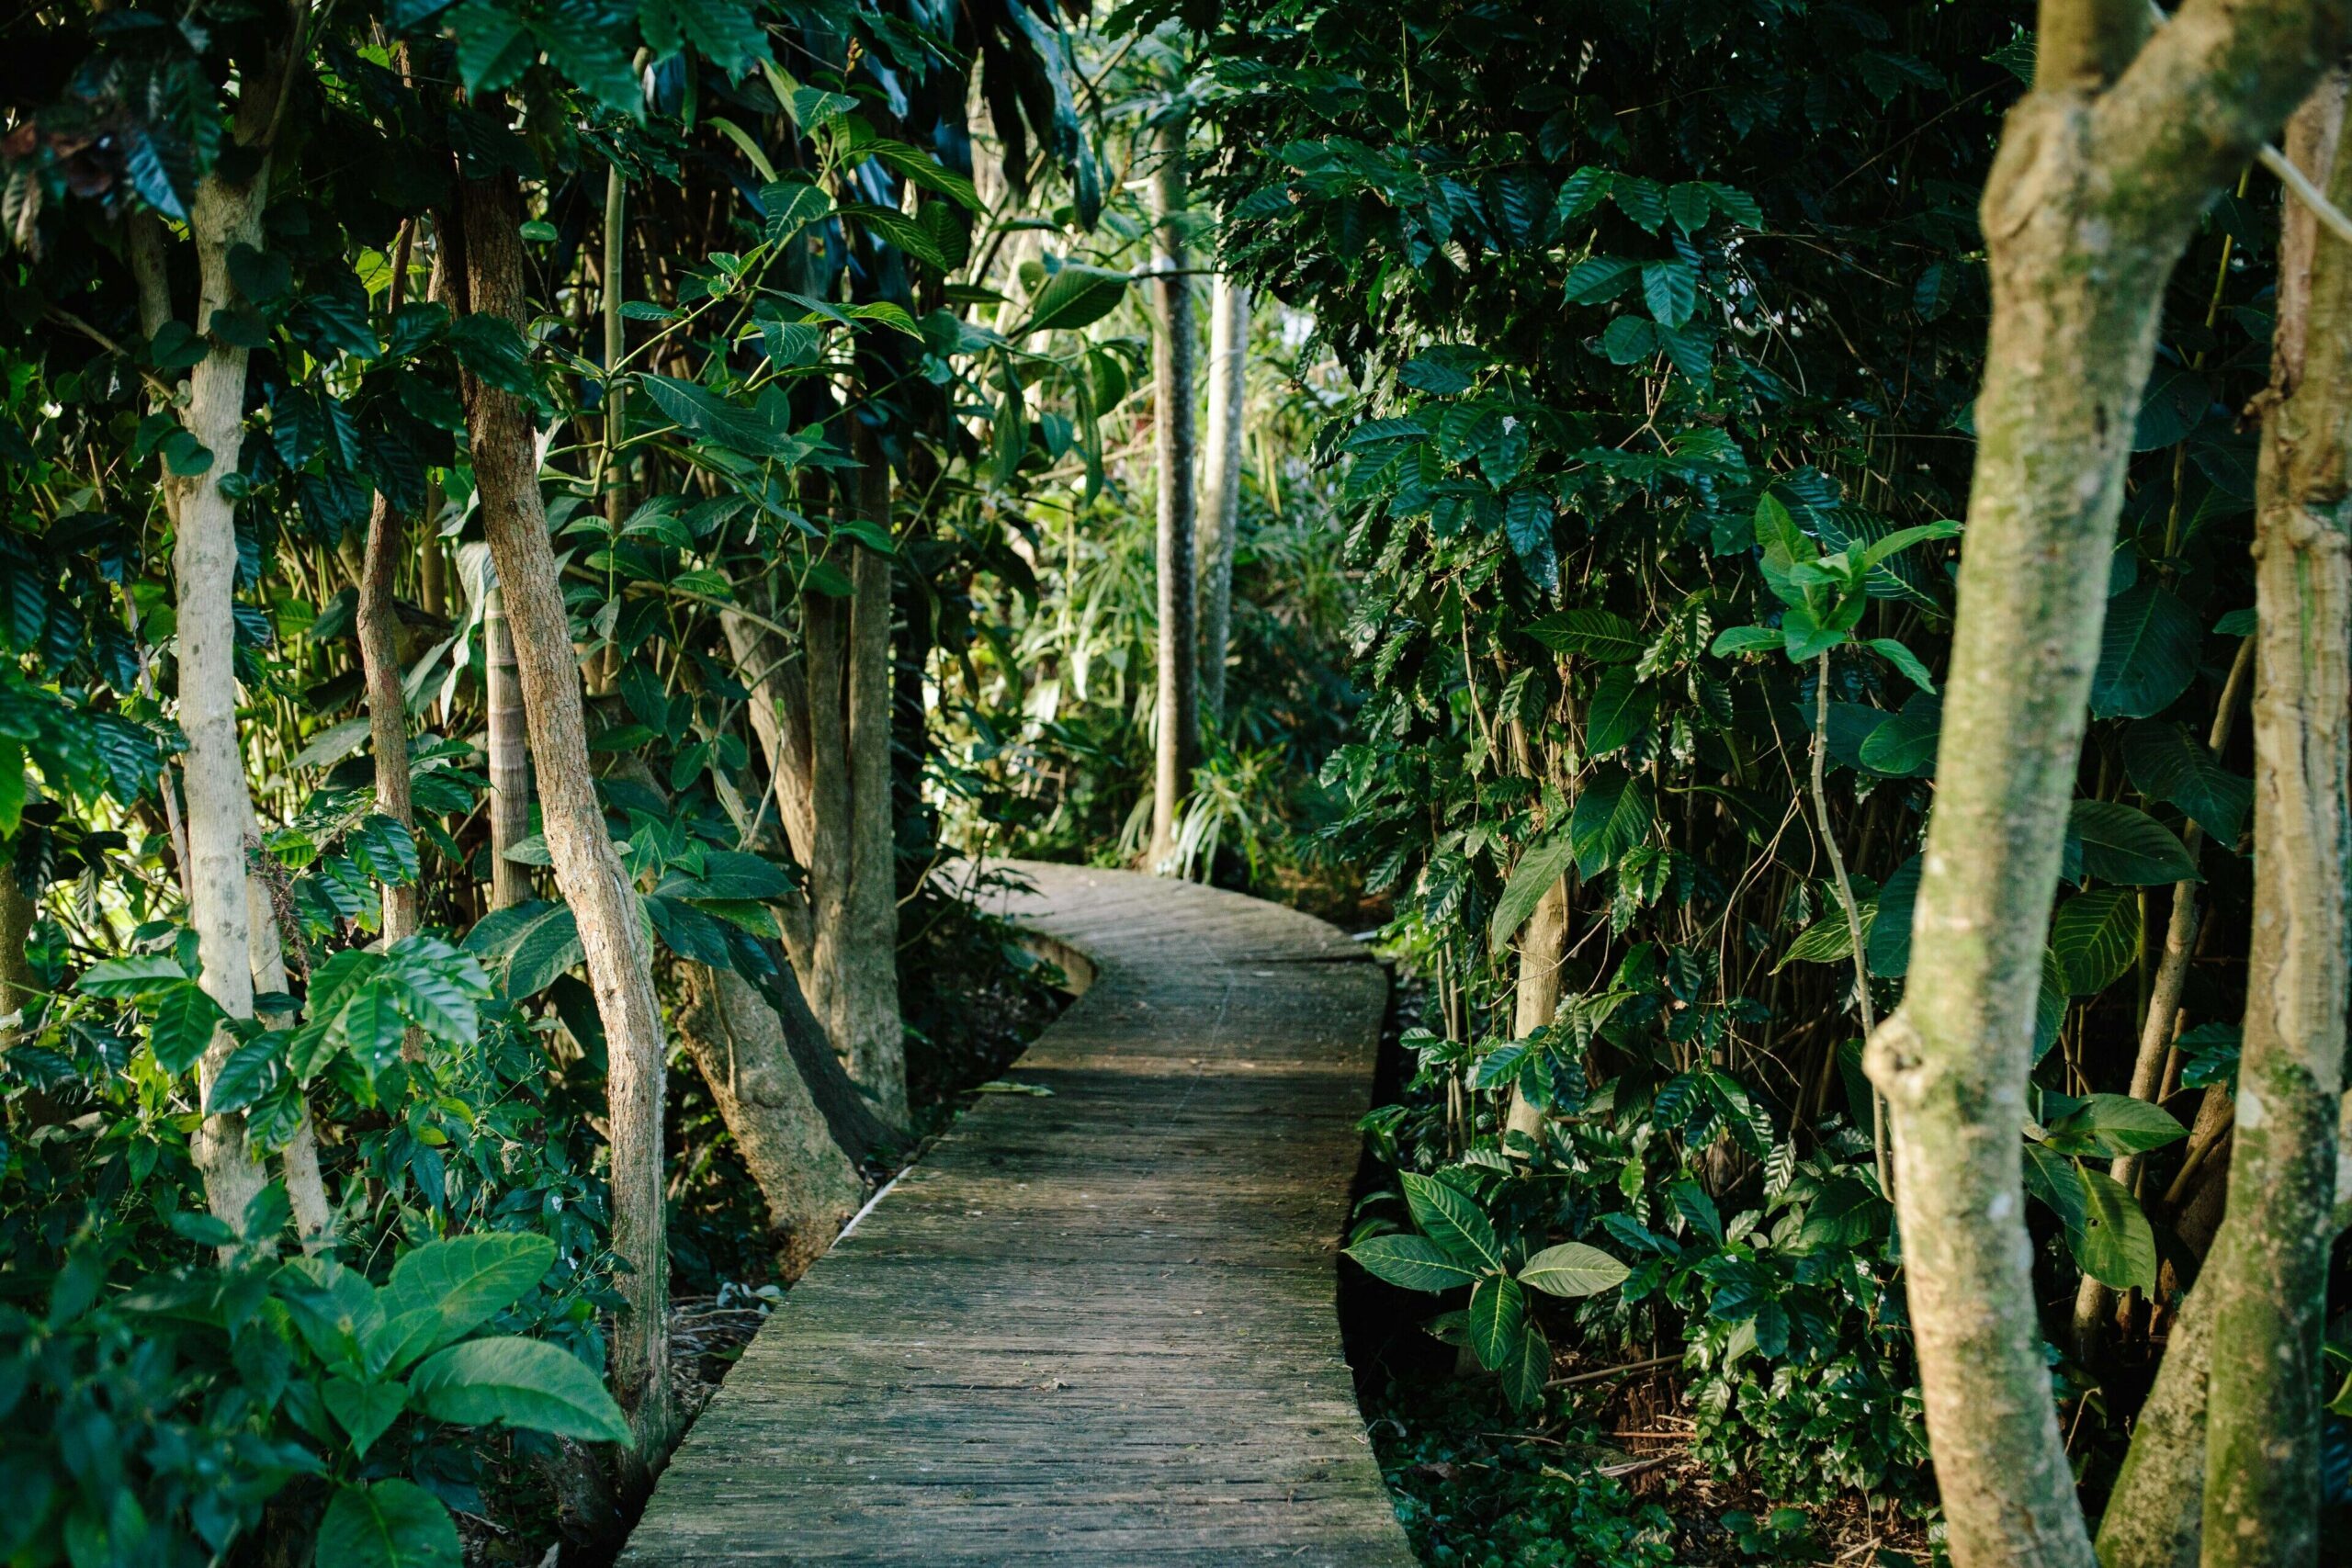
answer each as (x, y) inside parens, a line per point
(1846, 899)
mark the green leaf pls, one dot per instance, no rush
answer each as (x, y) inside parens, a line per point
(1829, 939)
(245, 1076)
(1413, 1262)
(517, 1383)
(1671, 289)
(525, 948)
(1573, 1268)
(1538, 868)
(1783, 545)
(1611, 814)
(1074, 296)
(1844, 1213)
(1621, 710)
(1745, 640)
(1497, 1315)
(2147, 653)
(371, 1026)
(1527, 1368)
(2113, 1124)
(1596, 634)
(146, 975)
(2114, 1244)
(392, 1524)
(1904, 745)
(1905, 660)
(1451, 1218)
(1886, 945)
(185, 1022)
(2124, 845)
(464, 1281)
(1598, 279)
(2095, 936)
(1688, 203)
(363, 1409)
(707, 416)
(2166, 763)
(894, 227)
(792, 206)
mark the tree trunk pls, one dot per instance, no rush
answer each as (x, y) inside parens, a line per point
(508, 749)
(587, 870)
(1221, 487)
(1542, 947)
(2092, 197)
(872, 1035)
(2155, 1512)
(1178, 743)
(2268, 1272)
(204, 570)
(18, 909)
(739, 1043)
(377, 627)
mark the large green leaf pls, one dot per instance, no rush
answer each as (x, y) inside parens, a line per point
(2095, 936)
(1596, 634)
(1887, 945)
(142, 976)
(1829, 939)
(1414, 1262)
(1573, 1268)
(186, 1020)
(1073, 297)
(2114, 1244)
(392, 1524)
(2147, 653)
(1527, 1367)
(516, 1382)
(1905, 745)
(2127, 846)
(526, 947)
(2166, 763)
(1453, 1219)
(2112, 1125)
(1498, 1315)
(363, 1409)
(464, 1281)
(1621, 708)
(1612, 815)
(1537, 870)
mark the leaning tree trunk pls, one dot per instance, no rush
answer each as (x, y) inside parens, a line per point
(2268, 1271)
(1178, 744)
(2103, 170)
(587, 869)
(738, 1041)
(1221, 487)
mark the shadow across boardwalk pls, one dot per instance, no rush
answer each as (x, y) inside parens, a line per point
(1094, 1326)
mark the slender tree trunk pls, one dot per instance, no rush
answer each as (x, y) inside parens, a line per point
(508, 748)
(2104, 168)
(615, 389)
(1543, 948)
(2268, 1269)
(18, 909)
(589, 871)
(737, 1042)
(1221, 487)
(2094, 1299)
(204, 568)
(377, 625)
(1178, 743)
(871, 1034)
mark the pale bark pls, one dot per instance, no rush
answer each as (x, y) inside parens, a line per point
(2268, 1271)
(1178, 723)
(587, 869)
(204, 568)
(739, 1042)
(2157, 1510)
(1543, 948)
(377, 627)
(868, 1031)
(1220, 514)
(17, 912)
(2092, 197)
(507, 750)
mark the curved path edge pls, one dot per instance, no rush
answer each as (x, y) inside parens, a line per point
(1096, 1324)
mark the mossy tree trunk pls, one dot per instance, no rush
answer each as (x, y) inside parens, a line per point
(2104, 168)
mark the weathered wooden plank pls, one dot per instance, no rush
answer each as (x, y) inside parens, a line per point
(1093, 1327)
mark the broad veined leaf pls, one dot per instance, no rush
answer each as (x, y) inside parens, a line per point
(2095, 936)
(363, 1409)
(2112, 1125)
(466, 1281)
(1611, 814)
(2166, 763)
(185, 1022)
(1670, 290)
(2126, 846)
(1497, 1315)
(2050, 1001)
(1596, 634)
(146, 975)
(1621, 708)
(1829, 939)
(1573, 1268)
(1076, 295)
(1887, 946)
(1527, 1368)
(516, 1382)
(248, 1074)
(2114, 1244)
(1844, 1213)
(391, 1524)
(1414, 1262)
(1538, 868)
(1453, 1219)
(1904, 745)
(1903, 659)
(2147, 653)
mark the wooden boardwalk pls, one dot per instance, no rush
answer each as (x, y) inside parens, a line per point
(1096, 1327)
